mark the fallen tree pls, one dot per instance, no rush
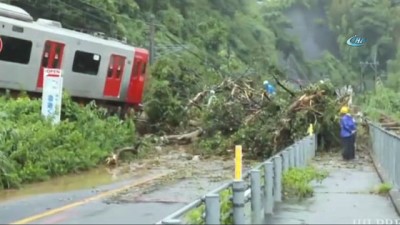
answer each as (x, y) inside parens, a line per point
(241, 113)
(237, 111)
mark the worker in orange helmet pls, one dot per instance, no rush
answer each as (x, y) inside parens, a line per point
(348, 129)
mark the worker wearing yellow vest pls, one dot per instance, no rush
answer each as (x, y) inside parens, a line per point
(348, 129)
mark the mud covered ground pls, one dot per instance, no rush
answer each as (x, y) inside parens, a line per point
(72, 199)
(192, 176)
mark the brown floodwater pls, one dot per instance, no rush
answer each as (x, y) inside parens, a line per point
(84, 180)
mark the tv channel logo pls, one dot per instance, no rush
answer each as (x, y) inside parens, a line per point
(356, 41)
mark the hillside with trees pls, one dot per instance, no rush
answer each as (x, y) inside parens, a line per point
(225, 46)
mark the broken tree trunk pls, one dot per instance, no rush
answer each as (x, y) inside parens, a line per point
(183, 138)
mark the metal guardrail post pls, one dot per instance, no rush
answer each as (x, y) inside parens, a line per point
(310, 146)
(315, 142)
(397, 163)
(285, 158)
(212, 209)
(268, 187)
(239, 187)
(305, 152)
(292, 154)
(297, 155)
(314, 145)
(301, 151)
(278, 178)
(391, 156)
(255, 179)
(172, 221)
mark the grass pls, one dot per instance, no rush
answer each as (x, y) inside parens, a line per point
(297, 181)
(382, 189)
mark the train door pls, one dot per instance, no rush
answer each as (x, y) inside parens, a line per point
(51, 58)
(115, 71)
(136, 83)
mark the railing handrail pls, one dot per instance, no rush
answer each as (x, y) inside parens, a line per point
(377, 125)
(385, 153)
(195, 204)
(295, 155)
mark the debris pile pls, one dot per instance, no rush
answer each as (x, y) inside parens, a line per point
(389, 124)
(238, 111)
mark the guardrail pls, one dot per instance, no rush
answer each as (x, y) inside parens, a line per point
(262, 187)
(386, 152)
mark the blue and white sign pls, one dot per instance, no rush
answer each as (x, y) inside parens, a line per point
(356, 41)
(52, 94)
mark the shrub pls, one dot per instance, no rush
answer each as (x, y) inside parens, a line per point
(296, 181)
(32, 149)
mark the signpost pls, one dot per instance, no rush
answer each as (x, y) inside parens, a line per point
(52, 94)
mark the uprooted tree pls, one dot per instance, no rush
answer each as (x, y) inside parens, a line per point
(243, 114)
(237, 111)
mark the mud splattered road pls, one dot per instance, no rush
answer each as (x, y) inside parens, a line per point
(148, 190)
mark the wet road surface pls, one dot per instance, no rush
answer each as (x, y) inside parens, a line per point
(343, 198)
(143, 200)
(34, 208)
(128, 208)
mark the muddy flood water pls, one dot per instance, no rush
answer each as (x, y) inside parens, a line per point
(85, 180)
(176, 159)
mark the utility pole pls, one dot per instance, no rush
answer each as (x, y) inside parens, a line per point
(373, 65)
(152, 34)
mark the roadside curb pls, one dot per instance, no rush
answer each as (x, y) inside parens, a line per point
(394, 195)
(99, 196)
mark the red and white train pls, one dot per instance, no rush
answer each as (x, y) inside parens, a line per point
(94, 68)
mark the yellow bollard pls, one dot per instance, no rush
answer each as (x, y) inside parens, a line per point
(310, 129)
(238, 162)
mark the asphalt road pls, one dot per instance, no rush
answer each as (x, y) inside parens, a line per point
(85, 207)
(128, 202)
(146, 196)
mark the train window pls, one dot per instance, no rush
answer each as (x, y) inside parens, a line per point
(45, 59)
(15, 50)
(87, 63)
(57, 57)
(110, 67)
(135, 70)
(144, 67)
(121, 64)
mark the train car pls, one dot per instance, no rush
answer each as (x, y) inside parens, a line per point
(94, 68)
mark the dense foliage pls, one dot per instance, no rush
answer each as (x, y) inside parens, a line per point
(198, 44)
(384, 100)
(32, 149)
(379, 22)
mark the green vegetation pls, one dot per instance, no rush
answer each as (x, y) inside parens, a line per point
(384, 100)
(296, 181)
(201, 44)
(32, 149)
(383, 189)
(196, 216)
